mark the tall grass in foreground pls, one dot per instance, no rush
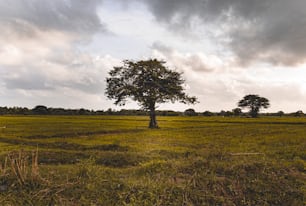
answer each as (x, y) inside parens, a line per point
(22, 184)
(17, 166)
(214, 180)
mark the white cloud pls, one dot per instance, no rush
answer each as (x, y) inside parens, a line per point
(222, 85)
(187, 62)
(40, 57)
(59, 85)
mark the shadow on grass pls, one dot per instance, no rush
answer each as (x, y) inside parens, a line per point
(65, 145)
(80, 133)
(109, 159)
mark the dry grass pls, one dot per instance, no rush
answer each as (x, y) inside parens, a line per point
(189, 161)
(21, 168)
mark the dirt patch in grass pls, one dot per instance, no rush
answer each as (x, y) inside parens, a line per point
(119, 159)
(166, 154)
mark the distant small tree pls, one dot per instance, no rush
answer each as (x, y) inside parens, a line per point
(280, 113)
(147, 82)
(222, 113)
(190, 112)
(208, 114)
(228, 114)
(109, 111)
(237, 111)
(168, 113)
(40, 110)
(254, 103)
(83, 111)
(299, 113)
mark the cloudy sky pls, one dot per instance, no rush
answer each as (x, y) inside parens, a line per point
(58, 53)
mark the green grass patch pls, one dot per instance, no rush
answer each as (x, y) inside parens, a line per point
(116, 160)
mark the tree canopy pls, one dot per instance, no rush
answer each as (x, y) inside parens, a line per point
(190, 112)
(237, 111)
(148, 82)
(254, 103)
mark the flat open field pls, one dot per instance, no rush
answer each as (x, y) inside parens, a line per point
(116, 160)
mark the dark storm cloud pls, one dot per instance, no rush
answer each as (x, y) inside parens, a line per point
(182, 11)
(63, 15)
(268, 30)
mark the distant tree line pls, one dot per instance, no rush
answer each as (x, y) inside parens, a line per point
(237, 112)
(43, 110)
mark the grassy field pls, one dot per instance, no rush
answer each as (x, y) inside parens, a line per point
(116, 160)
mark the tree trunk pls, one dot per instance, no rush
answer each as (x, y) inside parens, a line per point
(254, 112)
(153, 122)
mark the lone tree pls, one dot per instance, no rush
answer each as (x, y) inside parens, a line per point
(147, 82)
(254, 103)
